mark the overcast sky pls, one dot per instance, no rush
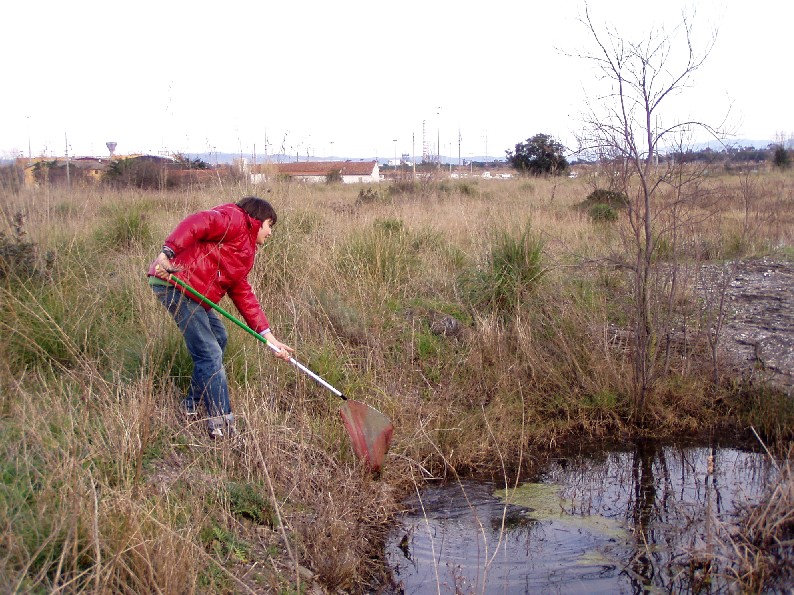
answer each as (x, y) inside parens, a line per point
(355, 78)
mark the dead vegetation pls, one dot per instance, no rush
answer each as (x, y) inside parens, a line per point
(480, 316)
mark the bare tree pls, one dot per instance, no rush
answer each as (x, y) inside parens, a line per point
(625, 128)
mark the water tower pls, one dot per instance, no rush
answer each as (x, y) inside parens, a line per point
(111, 147)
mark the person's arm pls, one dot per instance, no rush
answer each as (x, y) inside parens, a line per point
(244, 299)
(202, 226)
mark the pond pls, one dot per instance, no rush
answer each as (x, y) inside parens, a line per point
(645, 518)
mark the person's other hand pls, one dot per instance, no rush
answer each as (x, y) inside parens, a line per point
(163, 267)
(284, 351)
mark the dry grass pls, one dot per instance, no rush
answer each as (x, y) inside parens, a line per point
(104, 489)
(753, 553)
(764, 541)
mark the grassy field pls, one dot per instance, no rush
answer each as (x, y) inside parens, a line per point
(486, 318)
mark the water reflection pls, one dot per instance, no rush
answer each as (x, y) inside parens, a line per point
(642, 520)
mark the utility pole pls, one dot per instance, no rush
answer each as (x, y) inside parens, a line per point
(425, 149)
(413, 153)
(68, 179)
(438, 136)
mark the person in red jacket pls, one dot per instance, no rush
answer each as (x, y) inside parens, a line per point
(213, 251)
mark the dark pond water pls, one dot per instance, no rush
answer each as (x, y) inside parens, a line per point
(637, 520)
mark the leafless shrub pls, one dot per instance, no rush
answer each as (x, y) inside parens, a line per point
(622, 129)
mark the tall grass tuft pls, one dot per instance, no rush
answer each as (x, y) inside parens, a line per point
(382, 256)
(126, 228)
(512, 270)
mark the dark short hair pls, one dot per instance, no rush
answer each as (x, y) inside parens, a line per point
(258, 208)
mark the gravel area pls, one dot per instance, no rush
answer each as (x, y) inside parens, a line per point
(758, 337)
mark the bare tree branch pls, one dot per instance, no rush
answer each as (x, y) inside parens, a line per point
(622, 128)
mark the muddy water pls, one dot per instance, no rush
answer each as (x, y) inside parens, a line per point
(650, 518)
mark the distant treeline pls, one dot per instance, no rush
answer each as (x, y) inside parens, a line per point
(735, 154)
(774, 153)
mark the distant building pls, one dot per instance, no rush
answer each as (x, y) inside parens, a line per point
(165, 171)
(350, 172)
(60, 169)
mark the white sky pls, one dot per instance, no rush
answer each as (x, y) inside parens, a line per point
(347, 78)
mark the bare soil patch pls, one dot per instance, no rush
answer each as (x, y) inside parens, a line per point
(758, 338)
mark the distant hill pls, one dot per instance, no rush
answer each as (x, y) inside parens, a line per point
(737, 143)
(229, 158)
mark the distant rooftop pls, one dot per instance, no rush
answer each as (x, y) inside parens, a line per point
(321, 168)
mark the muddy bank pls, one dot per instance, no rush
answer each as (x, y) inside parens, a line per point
(758, 338)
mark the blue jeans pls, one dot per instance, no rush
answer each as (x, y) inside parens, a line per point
(205, 339)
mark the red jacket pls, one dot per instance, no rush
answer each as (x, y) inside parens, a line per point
(216, 250)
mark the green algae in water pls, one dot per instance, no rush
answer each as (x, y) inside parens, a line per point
(546, 504)
(543, 499)
(622, 521)
(594, 558)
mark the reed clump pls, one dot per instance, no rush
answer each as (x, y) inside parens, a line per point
(764, 539)
(486, 319)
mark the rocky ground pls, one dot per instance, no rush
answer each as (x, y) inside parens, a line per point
(758, 338)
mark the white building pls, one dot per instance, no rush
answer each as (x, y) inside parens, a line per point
(351, 172)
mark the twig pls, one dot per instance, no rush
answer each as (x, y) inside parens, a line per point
(774, 462)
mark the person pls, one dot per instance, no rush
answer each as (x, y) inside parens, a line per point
(213, 251)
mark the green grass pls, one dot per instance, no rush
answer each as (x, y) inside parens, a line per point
(101, 479)
(249, 501)
(513, 268)
(383, 255)
(126, 229)
(224, 544)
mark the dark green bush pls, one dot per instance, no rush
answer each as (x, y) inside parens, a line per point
(402, 186)
(344, 317)
(612, 198)
(389, 225)
(17, 257)
(135, 173)
(467, 189)
(782, 158)
(367, 195)
(602, 213)
(333, 177)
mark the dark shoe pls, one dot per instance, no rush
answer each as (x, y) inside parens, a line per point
(218, 433)
(222, 426)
